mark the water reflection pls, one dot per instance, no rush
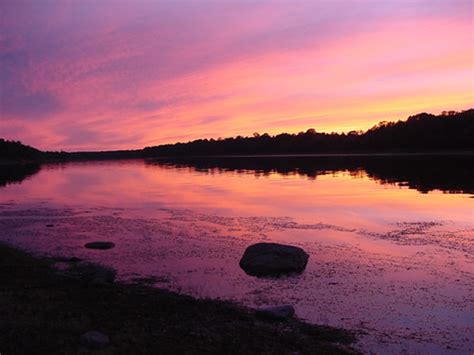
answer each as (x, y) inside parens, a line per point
(15, 174)
(385, 256)
(447, 173)
(425, 173)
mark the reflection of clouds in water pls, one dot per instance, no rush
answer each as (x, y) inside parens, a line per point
(446, 173)
(424, 233)
(406, 233)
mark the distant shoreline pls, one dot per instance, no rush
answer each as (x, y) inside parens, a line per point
(435, 153)
(95, 156)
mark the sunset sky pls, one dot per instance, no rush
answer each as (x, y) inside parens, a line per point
(85, 75)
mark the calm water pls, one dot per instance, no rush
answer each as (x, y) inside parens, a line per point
(391, 239)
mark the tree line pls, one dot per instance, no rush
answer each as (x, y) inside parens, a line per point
(423, 132)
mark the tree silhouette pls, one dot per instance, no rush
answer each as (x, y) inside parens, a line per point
(422, 132)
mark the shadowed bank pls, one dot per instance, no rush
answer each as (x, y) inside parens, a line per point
(45, 313)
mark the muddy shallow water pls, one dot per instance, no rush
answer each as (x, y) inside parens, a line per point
(391, 251)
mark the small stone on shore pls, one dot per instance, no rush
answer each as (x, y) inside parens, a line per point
(276, 312)
(90, 273)
(95, 340)
(72, 259)
(99, 245)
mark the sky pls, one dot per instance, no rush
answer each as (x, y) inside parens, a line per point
(116, 74)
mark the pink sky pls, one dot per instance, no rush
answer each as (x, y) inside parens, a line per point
(86, 75)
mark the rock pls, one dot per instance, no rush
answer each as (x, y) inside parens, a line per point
(90, 273)
(95, 340)
(276, 312)
(65, 259)
(271, 259)
(99, 245)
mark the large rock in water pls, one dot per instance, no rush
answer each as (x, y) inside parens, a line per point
(271, 259)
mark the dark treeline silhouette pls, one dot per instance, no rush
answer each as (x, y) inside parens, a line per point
(15, 150)
(420, 133)
(425, 173)
(423, 132)
(100, 155)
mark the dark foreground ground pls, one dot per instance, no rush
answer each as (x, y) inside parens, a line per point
(42, 312)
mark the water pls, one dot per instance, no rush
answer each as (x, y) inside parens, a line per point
(390, 238)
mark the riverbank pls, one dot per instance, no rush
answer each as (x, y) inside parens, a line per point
(43, 312)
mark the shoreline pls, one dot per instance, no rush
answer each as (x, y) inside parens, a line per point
(44, 312)
(100, 156)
